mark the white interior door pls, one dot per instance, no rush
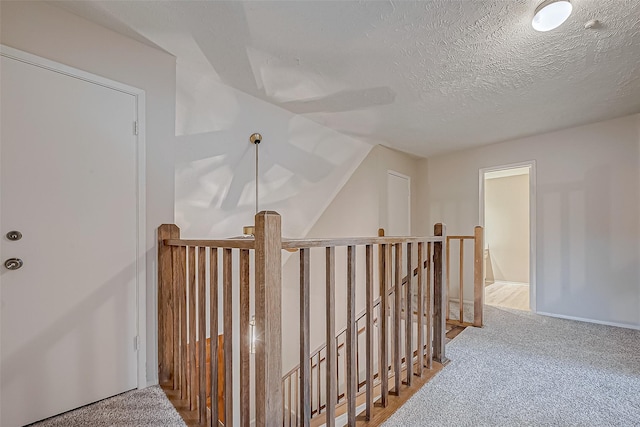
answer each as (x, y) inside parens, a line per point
(398, 205)
(68, 184)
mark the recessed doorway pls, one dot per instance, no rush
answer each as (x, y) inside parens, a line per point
(506, 205)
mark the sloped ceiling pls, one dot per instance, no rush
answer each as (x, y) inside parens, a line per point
(424, 77)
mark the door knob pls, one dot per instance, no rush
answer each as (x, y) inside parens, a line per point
(13, 263)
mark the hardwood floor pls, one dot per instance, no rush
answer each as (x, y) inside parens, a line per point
(508, 295)
(182, 406)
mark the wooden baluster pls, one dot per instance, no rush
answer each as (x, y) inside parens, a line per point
(245, 340)
(182, 284)
(297, 398)
(337, 370)
(179, 272)
(392, 305)
(397, 337)
(389, 332)
(318, 384)
(478, 276)
(352, 332)
(227, 312)
(461, 273)
(268, 301)
(193, 377)
(167, 316)
(429, 308)
(408, 317)
(357, 357)
(305, 343)
(213, 331)
(289, 401)
(332, 354)
(383, 367)
(369, 330)
(202, 336)
(420, 309)
(439, 296)
(447, 305)
(284, 410)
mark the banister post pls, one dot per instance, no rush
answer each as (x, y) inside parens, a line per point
(166, 315)
(439, 295)
(268, 328)
(478, 276)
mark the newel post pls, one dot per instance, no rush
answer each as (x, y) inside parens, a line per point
(166, 320)
(439, 295)
(268, 307)
(478, 276)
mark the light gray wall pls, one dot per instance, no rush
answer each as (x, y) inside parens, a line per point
(587, 214)
(55, 34)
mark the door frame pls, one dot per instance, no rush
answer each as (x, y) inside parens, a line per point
(140, 264)
(408, 178)
(531, 164)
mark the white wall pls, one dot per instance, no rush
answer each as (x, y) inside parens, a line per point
(55, 34)
(587, 214)
(506, 230)
(359, 209)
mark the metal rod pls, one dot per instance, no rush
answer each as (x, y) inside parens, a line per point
(257, 149)
(256, 139)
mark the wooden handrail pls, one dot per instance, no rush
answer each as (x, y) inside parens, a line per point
(249, 242)
(353, 241)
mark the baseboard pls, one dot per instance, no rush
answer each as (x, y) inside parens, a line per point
(506, 282)
(582, 319)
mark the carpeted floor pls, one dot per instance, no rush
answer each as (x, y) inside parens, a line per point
(523, 369)
(140, 408)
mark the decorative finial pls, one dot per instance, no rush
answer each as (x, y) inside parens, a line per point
(255, 138)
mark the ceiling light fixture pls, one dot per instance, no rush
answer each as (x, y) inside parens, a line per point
(551, 14)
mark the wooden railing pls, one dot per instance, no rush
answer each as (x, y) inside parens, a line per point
(478, 277)
(190, 278)
(317, 359)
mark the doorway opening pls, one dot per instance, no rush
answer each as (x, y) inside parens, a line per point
(506, 211)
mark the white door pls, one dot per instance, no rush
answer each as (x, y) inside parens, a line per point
(68, 184)
(398, 205)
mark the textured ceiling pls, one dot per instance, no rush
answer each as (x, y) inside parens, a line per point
(424, 77)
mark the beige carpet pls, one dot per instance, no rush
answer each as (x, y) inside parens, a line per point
(140, 408)
(523, 369)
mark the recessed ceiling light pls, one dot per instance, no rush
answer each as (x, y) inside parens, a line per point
(551, 14)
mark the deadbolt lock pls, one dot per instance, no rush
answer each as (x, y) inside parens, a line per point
(14, 235)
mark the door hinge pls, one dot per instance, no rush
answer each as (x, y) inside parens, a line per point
(135, 128)
(136, 342)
